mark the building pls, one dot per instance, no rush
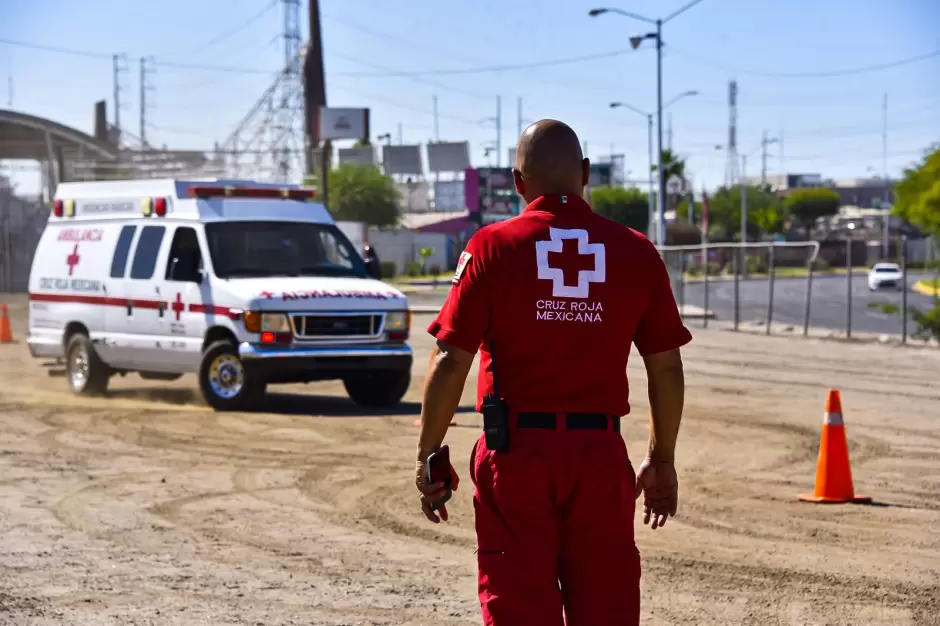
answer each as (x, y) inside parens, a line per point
(865, 193)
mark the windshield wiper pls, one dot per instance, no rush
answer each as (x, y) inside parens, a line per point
(328, 270)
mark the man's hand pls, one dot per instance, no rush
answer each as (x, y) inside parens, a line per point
(431, 493)
(658, 482)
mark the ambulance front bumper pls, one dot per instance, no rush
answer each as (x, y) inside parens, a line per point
(309, 363)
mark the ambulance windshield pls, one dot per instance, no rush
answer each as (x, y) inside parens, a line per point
(260, 249)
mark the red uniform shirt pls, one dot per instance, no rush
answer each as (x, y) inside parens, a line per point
(562, 293)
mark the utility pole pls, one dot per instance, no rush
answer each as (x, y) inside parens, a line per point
(145, 86)
(763, 159)
(519, 117)
(669, 132)
(661, 194)
(499, 131)
(437, 134)
(743, 187)
(119, 62)
(884, 172)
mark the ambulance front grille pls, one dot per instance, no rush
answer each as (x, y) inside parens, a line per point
(333, 326)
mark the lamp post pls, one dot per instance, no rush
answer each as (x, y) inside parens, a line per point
(635, 42)
(660, 227)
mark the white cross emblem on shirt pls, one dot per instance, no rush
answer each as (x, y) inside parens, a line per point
(557, 275)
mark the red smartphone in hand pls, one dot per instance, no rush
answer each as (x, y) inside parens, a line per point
(439, 472)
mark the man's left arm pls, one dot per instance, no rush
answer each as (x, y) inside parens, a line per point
(459, 330)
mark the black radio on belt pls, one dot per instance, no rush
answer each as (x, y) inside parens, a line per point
(495, 414)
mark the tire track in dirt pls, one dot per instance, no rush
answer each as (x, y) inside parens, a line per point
(923, 600)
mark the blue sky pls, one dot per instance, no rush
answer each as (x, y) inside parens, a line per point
(831, 125)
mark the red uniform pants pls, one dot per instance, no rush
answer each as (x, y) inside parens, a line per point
(554, 522)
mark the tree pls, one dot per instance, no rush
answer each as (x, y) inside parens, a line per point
(764, 212)
(807, 205)
(674, 167)
(362, 193)
(629, 207)
(918, 194)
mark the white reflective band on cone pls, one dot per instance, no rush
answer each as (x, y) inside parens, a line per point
(833, 419)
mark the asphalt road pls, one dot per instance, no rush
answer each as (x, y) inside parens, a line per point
(827, 308)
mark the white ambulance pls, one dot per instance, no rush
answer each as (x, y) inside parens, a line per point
(241, 283)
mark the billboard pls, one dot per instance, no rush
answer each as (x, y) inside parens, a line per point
(449, 196)
(402, 160)
(358, 156)
(490, 193)
(344, 123)
(448, 157)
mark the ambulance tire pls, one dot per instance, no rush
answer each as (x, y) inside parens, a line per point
(223, 380)
(86, 373)
(380, 390)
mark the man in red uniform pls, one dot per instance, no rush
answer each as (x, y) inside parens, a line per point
(558, 294)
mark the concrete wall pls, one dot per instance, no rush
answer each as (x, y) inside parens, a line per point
(356, 232)
(402, 247)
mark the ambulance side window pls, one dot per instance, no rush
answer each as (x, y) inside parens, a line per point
(148, 247)
(185, 260)
(122, 251)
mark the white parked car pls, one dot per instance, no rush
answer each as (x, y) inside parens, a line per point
(885, 275)
(240, 283)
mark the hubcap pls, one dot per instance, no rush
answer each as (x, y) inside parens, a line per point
(226, 376)
(78, 368)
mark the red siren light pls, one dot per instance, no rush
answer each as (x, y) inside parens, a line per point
(58, 208)
(159, 206)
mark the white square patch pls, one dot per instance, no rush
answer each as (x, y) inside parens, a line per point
(461, 266)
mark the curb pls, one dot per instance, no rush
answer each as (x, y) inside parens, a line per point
(921, 286)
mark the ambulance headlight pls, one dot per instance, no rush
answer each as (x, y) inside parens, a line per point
(266, 322)
(398, 321)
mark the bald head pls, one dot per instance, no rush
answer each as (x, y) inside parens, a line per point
(549, 161)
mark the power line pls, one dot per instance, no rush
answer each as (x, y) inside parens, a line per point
(233, 31)
(165, 64)
(418, 79)
(485, 69)
(825, 74)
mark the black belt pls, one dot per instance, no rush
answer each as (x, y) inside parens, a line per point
(573, 421)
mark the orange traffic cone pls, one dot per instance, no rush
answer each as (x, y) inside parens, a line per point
(833, 470)
(6, 334)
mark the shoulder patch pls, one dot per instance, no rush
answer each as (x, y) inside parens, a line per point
(461, 266)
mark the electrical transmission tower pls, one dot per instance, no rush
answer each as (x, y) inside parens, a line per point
(269, 142)
(146, 70)
(119, 63)
(731, 167)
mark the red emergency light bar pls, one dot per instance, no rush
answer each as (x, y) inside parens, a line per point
(205, 192)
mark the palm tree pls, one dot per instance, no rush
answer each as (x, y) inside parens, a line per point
(673, 167)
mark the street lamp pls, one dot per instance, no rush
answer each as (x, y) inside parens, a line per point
(660, 229)
(635, 41)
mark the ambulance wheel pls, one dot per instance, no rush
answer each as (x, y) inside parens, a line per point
(379, 390)
(224, 383)
(86, 373)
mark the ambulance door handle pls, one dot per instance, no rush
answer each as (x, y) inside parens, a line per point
(161, 307)
(130, 308)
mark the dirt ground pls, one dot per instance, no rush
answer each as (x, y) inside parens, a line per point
(147, 508)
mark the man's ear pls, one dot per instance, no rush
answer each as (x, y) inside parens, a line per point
(585, 171)
(518, 181)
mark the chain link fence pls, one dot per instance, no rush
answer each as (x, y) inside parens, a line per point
(21, 226)
(795, 287)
